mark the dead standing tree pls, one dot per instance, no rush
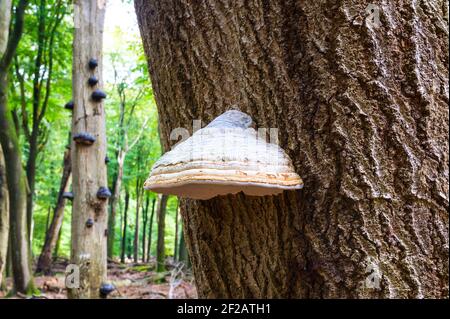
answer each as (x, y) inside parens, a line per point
(88, 152)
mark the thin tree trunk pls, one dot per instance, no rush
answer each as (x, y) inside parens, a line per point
(160, 250)
(125, 225)
(45, 259)
(20, 253)
(150, 229)
(144, 226)
(5, 17)
(183, 253)
(136, 226)
(58, 244)
(89, 212)
(175, 248)
(4, 214)
(361, 106)
(113, 202)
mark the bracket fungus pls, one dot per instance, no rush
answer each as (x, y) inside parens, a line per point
(84, 138)
(225, 157)
(98, 95)
(93, 63)
(89, 222)
(92, 81)
(106, 289)
(69, 105)
(68, 195)
(103, 193)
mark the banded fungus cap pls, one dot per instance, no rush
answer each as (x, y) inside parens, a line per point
(225, 157)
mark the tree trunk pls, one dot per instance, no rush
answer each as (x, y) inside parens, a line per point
(150, 229)
(89, 213)
(4, 215)
(183, 255)
(20, 253)
(5, 18)
(136, 221)
(45, 259)
(125, 224)
(361, 108)
(144, 225)
(113, 202)
(175, 248)
(160, 246)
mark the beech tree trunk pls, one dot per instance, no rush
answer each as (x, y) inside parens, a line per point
(45, 259)
(4, 215)
(5, 17)
(160, 246)
(89, 213)
(361, 109)
(20, 253)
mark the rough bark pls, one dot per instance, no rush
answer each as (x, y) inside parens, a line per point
(160, 245)
(4, 215)
(361, 110)
(45, 259)
(88, 161)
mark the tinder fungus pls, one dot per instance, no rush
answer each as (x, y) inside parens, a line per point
(225, 157)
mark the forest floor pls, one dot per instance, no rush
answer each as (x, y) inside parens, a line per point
(132, 281)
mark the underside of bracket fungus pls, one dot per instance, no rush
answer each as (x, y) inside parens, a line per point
(225, 157)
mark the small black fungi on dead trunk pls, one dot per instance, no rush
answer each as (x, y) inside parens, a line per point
(84, 138)
(92, 81)
(98, 95)
(69, 105)
(103, 193)
(89, 223)
(93, 63)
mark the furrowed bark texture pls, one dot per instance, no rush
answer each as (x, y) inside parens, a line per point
(45, 259)
(361, 110)
(88, 162)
